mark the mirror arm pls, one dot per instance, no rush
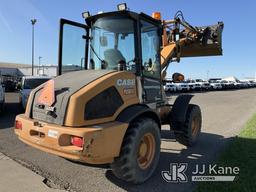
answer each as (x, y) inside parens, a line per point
(86, 37)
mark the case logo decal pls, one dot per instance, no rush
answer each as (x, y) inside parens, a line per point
(125, 82)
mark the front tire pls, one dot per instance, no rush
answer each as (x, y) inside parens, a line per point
(139, 153)
(189, 132)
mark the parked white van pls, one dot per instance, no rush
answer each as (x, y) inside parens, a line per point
(28, 83)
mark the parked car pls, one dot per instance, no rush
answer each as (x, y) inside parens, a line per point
(253, 83)
(205, 85)
(237, 84)
(182, 86)
(244, 84)
(2, 98)
(193, 85)
(215, 85)
(28, 83)
(231, 85)
(223, 83)
(171, 87)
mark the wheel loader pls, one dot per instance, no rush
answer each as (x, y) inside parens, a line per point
(107, 104)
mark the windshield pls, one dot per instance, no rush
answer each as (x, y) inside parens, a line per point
(33, 83)
(112, 43)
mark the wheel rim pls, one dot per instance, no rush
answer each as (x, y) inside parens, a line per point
(146, 151)
(195, 126)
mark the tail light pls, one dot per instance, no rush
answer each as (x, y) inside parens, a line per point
(18, 125)
(77, 141)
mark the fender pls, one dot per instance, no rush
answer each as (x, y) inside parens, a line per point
(134, 111)
(179, 109)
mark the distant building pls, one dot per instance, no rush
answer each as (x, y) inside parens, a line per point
(231, 78)
(250, 79)
(15, 71)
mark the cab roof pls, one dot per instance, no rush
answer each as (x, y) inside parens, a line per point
(126, 13)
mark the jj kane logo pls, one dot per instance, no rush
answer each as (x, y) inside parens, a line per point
(178, 173)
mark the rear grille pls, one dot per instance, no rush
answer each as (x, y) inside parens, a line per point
(55, 115)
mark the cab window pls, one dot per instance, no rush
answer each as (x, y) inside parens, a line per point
(150, 50)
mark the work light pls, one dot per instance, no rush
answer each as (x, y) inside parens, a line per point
(86, 14)
(122, 7)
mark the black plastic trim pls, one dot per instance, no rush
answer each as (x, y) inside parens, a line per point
(134, 111)
(179, 109)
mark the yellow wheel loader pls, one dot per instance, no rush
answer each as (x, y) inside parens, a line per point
(108, 105)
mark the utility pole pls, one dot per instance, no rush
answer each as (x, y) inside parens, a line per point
(33, 22)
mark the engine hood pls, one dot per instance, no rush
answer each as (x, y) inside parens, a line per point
(64, 87)
(76, 80)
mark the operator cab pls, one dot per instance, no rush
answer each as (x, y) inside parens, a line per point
(116, 41)
(120, 40)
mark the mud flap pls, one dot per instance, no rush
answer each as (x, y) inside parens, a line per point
(134, 111)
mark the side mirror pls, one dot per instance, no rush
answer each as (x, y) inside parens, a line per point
(103, 41)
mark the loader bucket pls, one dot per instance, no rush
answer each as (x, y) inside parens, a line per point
(209, 44)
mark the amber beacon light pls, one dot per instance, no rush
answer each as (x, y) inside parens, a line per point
(156, 15)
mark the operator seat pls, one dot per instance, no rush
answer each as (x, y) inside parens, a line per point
(112, 57)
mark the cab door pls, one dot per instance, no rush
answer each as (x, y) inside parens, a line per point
(151, 68)
(73, 46)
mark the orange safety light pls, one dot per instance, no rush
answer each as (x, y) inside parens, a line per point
(156, 15)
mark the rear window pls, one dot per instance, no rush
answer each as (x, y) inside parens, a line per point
(33, 83)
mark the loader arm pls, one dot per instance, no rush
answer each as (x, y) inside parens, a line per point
(180, 39)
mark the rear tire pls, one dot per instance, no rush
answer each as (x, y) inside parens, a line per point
(139, 153)
(189, 132)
